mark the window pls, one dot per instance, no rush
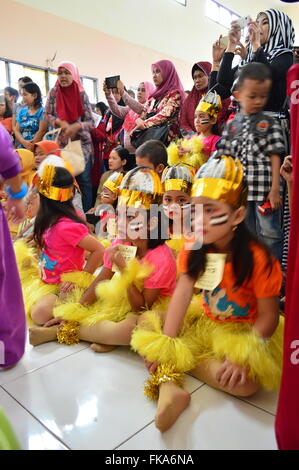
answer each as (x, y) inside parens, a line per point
(90, 86)
(11, 71)
(3, 75)
(220, 14)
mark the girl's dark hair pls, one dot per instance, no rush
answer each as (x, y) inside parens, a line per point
(123, 153)
(12, 91)
(242, 256)
(159, 234)
(51, 211)
(32, 88)
(25, 80)
(8, 111)
(102, 107)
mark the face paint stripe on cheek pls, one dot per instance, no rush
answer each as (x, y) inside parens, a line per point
(219, 219)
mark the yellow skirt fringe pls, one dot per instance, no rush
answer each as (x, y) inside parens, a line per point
(112, 304)
(33, 287)
(201, 338)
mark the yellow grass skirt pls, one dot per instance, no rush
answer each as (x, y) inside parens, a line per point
(201, 338)
(33, 287)
(113, 303)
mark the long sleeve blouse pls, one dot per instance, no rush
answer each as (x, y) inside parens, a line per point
(279, 67)
(86, 121)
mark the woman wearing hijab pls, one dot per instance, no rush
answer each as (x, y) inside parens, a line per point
(271, 39)
(68, 107)
(200, 75)
(164, 103)
(145, 89)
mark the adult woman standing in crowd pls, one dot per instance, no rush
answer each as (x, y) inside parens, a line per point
(200, 75)
(164, 104)
(271, 39)
(145, 89)
(30, 125)
(100, 109)
(68, 108)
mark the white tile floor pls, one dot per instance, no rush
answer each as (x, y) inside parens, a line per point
(68, 397)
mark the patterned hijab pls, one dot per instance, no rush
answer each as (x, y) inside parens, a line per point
(281, 35)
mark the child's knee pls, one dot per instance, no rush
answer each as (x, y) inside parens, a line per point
(41, 313)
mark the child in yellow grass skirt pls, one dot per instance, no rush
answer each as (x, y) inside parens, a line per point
(62, 237)
(197, 149)
(108, 311)
(231, 337)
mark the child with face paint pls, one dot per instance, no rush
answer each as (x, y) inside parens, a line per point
(205, 120)
(109, 196)
(62, 238)
(231, 336)
(177, 183)
(106, 314)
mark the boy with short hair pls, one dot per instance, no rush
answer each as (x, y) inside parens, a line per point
(152, 154)
(255, 136)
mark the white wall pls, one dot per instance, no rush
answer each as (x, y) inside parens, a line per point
(162, 25)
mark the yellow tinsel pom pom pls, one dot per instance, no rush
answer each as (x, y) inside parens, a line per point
(163, 374)
(68, 333)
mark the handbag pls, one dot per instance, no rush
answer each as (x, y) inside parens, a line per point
(161, 132)
(72, 152)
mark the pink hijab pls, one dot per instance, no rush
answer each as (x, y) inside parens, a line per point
(74, 71)
(69, 105)
(171, 80)
(130, 119)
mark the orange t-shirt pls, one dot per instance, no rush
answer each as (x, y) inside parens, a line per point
(7, 123)
(227, 303)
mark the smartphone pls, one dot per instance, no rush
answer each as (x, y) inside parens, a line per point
(111, 82)
(243, 22)
(223, 42)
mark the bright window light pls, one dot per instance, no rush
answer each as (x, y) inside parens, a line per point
(220, 14)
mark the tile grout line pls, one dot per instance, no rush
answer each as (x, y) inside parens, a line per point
(255, 406)
(134, 434)
(41, 367)
(37, 419)
(237, 398)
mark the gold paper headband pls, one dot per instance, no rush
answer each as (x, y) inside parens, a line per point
(46, 179)
(229, 188)
(210, 104)
(178, 177)
(140, 187)
(113, 182)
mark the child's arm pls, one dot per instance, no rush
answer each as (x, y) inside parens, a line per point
(178, 305)
(89, 296)
(274, 196)
(96, 250)
(20, 138)
(139, 300)
(286, 171)
(43, 126)
(268, 317)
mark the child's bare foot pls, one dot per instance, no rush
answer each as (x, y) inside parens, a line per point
(172, 402)
(39, 334)
(101, 348)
